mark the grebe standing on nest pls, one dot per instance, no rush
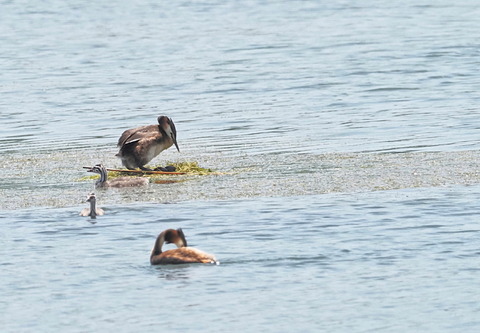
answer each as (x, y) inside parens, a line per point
(116, 182)
(93, 211)
(140, 145)
(182, 254)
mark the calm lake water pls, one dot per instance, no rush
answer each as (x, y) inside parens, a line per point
(345, 137)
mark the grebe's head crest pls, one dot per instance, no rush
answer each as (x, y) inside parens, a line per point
(98, 168)
(169, 127)
(176, 237)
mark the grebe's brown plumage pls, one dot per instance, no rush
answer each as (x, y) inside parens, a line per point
(116, 182)
(92, 211)
(181, 255)
(140, 145)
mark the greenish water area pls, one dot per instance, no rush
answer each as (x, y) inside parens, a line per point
(57, 179)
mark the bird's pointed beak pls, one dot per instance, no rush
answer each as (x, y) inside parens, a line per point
(174, 133)
(176, 144)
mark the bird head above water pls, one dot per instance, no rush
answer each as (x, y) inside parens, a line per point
(97, 168)
(167, 125)
(91, 197)
(102, 171)
(169, 236)
(176, 237)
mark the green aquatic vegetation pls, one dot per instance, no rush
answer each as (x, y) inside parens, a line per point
(110, 174)
(85, 178)
(191, 168)
(187, 168)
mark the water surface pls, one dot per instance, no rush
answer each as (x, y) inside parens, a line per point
(394, 261)
(345, 136)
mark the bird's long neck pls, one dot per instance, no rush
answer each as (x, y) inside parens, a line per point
(93, 209)
(157, 249)
(103, 177)
(165, 138)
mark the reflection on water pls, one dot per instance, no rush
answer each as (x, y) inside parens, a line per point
(177, 272)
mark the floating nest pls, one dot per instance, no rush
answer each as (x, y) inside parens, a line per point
(186, 168)
(191, 168)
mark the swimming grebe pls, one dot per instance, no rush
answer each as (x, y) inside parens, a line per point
(140, 145)
(182, 255)
(116, 182)
(93, 211)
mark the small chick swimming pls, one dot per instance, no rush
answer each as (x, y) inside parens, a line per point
(140, 145)
(182, 255)
(93, 211)
(116, 182)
